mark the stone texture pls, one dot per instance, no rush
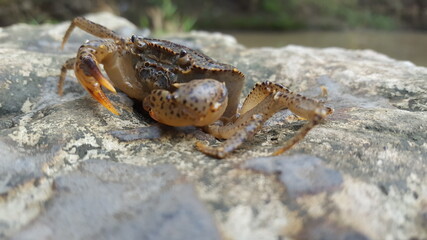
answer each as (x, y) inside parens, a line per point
(107, 200)
(301, 174)
(54, 148)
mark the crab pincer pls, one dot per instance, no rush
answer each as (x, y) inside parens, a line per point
(86, 69)
(86, 64)
(90, 77)
(195, 103)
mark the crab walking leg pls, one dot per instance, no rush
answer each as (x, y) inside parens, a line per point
(236, 140)
(68, 65)
(265, 108)
(298, 137)
(259, 92)
(310, 109)
(90, 27)
(241, 129)
(260, 100)
(265, 100)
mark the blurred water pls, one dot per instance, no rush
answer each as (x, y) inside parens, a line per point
(408, 46)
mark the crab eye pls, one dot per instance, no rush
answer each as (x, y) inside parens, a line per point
(182, 53)
(138, 44)
(133, 38)
(184, 59)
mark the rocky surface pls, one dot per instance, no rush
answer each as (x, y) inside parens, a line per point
(108, 200)
(64, 174)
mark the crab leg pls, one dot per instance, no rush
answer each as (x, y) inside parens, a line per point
(90, 27)
(259, 92)
(244, 127)
(236, 140)
(265, 100)
(68, 65)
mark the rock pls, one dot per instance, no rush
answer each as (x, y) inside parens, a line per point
(23, 186)
(107, 200)
(318, 230)
(371, 182)
(301, 174)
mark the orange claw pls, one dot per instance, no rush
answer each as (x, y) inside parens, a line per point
(89, 76)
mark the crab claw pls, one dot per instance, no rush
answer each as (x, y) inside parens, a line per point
(91, 78)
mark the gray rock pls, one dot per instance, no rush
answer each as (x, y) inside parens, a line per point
(375, 141)
(319, 230)
(107, 200)
(301, 174)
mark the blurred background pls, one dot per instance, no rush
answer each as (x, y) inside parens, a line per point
(397, 28)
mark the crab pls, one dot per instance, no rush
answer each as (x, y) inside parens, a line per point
(180, 86)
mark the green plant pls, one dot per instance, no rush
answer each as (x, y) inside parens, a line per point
(163, 16)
